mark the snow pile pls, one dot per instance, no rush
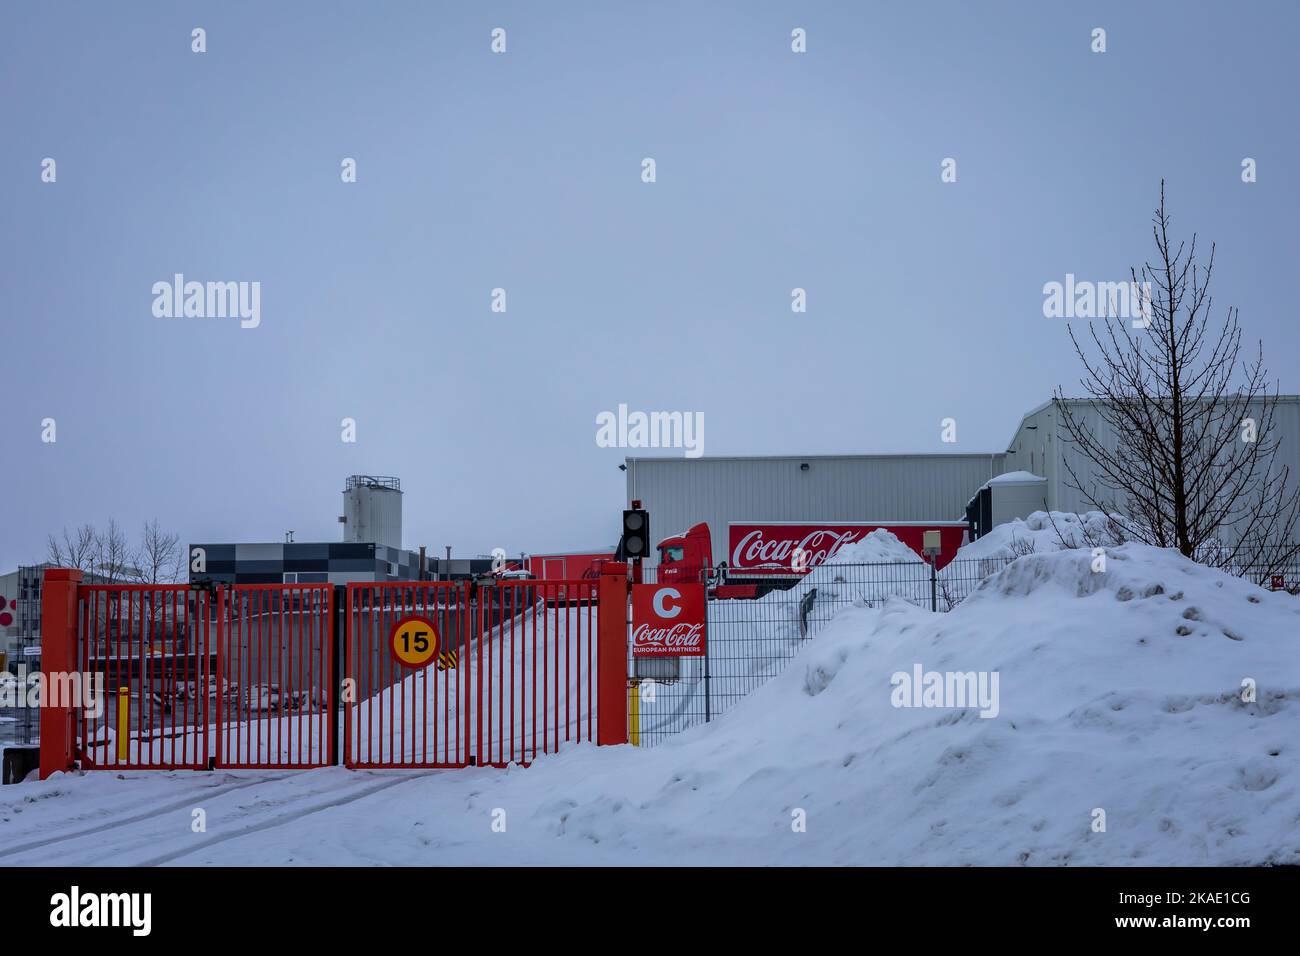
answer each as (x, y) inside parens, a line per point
(881, 546)
(866, 572)
(1044, 532)
(870, 569)
(1123, 697)
(1119, 691)
(752, 640)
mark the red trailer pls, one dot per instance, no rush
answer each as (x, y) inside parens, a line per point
(568, 565)
(765, 556)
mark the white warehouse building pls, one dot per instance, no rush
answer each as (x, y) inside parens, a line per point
(680, 492)
(1041, 446)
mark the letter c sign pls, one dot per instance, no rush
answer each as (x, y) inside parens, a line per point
(661, 597)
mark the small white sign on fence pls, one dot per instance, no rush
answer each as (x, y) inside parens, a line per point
(33, 651)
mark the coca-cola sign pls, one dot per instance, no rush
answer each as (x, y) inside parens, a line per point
(668, 620)
(777, 548)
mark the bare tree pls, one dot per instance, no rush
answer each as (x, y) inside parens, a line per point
(1019, 547)
(1189, 447)
(158, 558)
(108, 556)
(112, 554)
(104, 557)
(73, 550)
(1112, 533)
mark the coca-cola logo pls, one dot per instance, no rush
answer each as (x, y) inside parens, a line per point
(672, 640)
(757, 550)
(669, 620)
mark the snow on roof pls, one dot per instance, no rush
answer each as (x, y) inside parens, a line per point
(1014, 477)
(1010, 478)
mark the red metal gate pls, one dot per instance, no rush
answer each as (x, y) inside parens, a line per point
(148, 650)
(238, 676)
(511, 674)
(274, 685)
(185, 677)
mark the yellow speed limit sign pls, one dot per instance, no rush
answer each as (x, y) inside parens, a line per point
(414, 642)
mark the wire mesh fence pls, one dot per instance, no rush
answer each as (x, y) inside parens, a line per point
(752, 640)
(1284, 577)
(1275, 569)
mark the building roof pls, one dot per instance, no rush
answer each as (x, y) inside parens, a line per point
(670, 456)
(919, 454)
(1093, 401)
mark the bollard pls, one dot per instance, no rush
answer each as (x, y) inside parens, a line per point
(123, 722)
(634, 713)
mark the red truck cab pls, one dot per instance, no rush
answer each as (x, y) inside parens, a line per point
(687, 558)
(684, 557)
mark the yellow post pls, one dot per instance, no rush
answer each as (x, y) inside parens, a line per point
(123, 722)
(634, 714)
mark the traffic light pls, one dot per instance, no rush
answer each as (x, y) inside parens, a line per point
(635, 542)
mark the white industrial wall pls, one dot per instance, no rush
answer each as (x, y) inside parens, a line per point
(680, 492)
(1045, 449)
(1037, 448)
(1017, 499)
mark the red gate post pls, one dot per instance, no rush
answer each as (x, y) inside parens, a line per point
(58, 657)
(611, 617)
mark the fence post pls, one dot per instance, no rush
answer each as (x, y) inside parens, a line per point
(338, 668)
(934, 584)
(59, 657)
(611, 626)
(708, 702)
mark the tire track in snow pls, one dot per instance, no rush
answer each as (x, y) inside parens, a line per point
(133, 835)
(285, 818)
(149, 814)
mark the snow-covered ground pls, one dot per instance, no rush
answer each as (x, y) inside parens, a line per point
(1119, 691)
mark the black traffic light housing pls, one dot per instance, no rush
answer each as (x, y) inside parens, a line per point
(635, 542)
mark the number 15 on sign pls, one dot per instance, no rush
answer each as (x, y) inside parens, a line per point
(414, 642)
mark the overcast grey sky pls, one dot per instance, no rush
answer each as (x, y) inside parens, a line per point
(522, 170)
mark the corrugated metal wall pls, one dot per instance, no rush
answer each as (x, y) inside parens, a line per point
(1017, 499)
(1044, 449)
(680, 492)
(1036, 448)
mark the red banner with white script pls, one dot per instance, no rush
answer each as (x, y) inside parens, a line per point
(778, 548)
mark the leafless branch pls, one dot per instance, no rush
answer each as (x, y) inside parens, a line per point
(1188, 442)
